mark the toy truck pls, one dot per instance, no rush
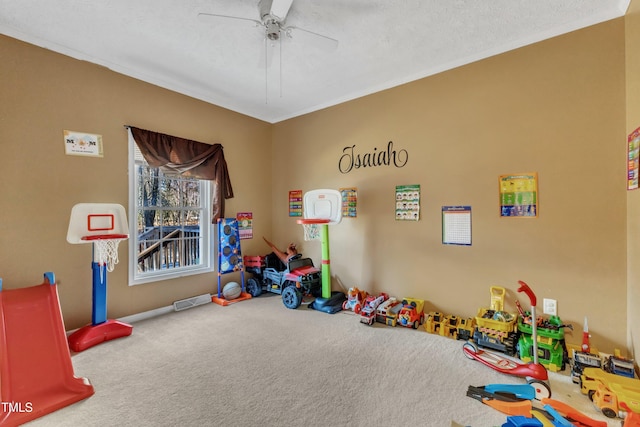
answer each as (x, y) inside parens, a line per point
(371, 303)
(433, 322)
(465, 328)
(582, 360)
(411, 314)
(496, 328)
(299, 278)
(387, 312)
(616, 364)
(610, 392)
(449, 328)
(552, 350)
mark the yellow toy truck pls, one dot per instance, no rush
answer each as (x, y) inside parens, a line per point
(496, 328)
(610, 392)
(433, 322)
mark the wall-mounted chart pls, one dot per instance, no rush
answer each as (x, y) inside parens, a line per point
(408, 202)
(519, 195)
(456, 225)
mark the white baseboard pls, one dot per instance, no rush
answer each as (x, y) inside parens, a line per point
(141, 316)
(147, 314)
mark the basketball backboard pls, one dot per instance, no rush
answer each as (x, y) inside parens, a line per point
(96, 219)
(323, 204)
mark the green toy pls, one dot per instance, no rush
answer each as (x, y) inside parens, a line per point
(552, 350)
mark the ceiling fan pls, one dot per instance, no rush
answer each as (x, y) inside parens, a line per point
(273, 16)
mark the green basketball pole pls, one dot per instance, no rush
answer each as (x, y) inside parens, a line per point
(326, 261)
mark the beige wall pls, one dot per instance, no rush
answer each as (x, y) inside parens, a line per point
(44, 93)
(556, 108)
(632, 27)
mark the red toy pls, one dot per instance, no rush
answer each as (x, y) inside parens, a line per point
(371, 303)
(36, 372)
(412, 313)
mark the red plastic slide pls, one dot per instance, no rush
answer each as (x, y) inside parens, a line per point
(36, 374)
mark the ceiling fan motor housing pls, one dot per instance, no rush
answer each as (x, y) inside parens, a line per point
(272, 29)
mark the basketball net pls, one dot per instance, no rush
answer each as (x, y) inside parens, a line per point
(106, 252)
(311, 231)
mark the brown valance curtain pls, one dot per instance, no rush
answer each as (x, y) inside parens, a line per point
(187, 158)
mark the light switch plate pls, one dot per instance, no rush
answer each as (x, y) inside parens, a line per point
(550, 307)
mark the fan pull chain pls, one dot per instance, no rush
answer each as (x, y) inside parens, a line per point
(280, 71)
(266, 74)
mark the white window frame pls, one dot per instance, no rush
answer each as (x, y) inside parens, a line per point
(206, 230)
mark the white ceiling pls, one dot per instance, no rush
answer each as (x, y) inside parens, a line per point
(381, 43)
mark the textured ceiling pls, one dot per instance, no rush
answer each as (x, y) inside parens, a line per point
(381, 43)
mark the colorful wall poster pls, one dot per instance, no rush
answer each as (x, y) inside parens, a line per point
(349, 202)
(519, 195)
(295, 203)
(82, 144)
(408, 202)
(456, 225)
(245, 224)
(633, 159)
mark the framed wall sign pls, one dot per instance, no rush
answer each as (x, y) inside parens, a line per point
(82, 144)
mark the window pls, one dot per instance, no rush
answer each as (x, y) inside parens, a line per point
(169, 221)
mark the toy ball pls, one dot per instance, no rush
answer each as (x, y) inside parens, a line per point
(231, 290)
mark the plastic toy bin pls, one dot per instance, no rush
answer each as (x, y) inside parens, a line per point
(495, 318)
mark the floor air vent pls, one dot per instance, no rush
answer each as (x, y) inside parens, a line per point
(191, 302)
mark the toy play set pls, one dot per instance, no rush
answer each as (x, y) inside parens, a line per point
(614, 394)
(518, 344)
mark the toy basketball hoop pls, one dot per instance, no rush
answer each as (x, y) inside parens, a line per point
(312, 228)
(105, 226)
(105, 248)
(321, 209)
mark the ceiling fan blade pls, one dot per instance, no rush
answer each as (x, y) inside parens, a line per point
(280, 8)
(318, 40)
(214, 16)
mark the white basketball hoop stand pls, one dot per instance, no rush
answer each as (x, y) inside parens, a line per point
(104, 225)
(322, 207)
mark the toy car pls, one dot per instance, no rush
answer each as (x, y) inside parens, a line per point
(371, 303)
(387, 312)
(412, 313)
(299, 278)
(355, 300)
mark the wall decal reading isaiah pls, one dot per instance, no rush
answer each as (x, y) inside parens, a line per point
(351, 159)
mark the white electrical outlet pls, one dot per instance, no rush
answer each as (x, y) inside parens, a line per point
(550, 307)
